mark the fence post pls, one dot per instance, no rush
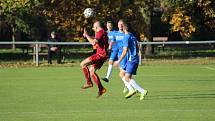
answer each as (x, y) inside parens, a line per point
(37, 54)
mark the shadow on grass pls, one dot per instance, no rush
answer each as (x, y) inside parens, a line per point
(185, 95)
(209, 94)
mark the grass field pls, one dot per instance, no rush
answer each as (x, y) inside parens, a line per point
(176, 93)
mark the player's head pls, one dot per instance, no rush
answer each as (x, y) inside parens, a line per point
(109, 25)
(120, 24)
(97, 26)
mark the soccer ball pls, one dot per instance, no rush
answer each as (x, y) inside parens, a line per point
(88, 12)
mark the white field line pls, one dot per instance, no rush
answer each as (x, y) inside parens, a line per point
(210, 68)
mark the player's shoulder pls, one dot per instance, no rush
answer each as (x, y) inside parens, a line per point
(126, 36)
(102, 31)
(120, 33)
(114, 31)
(132, 35)
(129, 34)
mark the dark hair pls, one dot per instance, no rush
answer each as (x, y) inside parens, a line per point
(130, 29)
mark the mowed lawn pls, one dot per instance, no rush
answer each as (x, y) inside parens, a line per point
(176, 93)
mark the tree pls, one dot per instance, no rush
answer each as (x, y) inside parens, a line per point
(67, 16)
(190, 17)
(13, 12)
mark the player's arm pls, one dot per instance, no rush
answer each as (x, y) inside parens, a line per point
(92, 40)
(113, 41)
(110, 45)
(125, 49)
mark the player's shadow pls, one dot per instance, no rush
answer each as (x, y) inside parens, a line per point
(207, 94)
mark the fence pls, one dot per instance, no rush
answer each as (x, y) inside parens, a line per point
(36, 44)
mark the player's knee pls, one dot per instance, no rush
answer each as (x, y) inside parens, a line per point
(92, 71)
(121, 74)
(82, 65)
(110, 62)
(127, 78)
(91, 74)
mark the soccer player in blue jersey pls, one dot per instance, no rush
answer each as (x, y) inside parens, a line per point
(112, 48)
(131, 51)
(121, 43)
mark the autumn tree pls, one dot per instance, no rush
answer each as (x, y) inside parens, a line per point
(189, 16)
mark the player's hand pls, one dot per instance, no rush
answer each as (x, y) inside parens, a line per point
(109, 48)
(109, 51)
(85, 32)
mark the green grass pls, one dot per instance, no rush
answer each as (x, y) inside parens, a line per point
(176, 93)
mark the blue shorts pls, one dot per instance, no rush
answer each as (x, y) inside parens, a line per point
(113, 55)
(122, 64)
(131, 67)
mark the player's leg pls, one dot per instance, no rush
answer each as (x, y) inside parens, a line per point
(97, 81)
(127, 87)
(123, 66)
(131, 91)
(110, 66)
(142, 91)
(131, 70)
(109, 71)
(84, 65)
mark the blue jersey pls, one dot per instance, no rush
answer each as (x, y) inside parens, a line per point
(133, 48)
(111, 38)
(119, 39)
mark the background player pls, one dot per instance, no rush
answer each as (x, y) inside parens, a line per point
(112, 48)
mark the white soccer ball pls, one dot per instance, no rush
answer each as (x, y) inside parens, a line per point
(88, 12)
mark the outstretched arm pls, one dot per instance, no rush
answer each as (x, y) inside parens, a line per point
(92, 40)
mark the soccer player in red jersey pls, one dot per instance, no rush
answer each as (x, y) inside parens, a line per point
(96, 60)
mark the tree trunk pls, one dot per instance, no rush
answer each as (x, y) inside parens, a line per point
(149, 48)
(13, 37)
(147, 15)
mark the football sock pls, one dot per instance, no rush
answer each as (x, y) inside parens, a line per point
(109, 71)
(130, 88)
(97, 81)
(136, 86)
(87, 75)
